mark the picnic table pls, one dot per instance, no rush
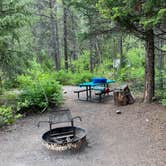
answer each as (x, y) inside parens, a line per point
(89, 86)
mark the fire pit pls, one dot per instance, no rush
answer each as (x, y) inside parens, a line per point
(63, 138)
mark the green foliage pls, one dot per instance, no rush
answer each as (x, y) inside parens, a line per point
(9, 98)
(64, 77)
(134, 64)
(82, 63)
(147, 13)
(7, 116)
(105, 67)
(14, 15)
(136, 57)
(69, 78)
(10, 83)
(39, 90)
(85, 76)
(160, 84)
(163, 102)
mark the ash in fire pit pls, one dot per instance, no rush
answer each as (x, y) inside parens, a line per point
(63, 138)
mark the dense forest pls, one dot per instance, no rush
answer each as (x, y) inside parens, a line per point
(45, 44)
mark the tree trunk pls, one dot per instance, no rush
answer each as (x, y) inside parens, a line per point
(65, 35)
(54, 36)
(120, 51)
(74, 42)
(58, 58)
(91, 56)
(160, 66)
(149, 84)
(38, 38)
(97, 52)
(1, 85)
(91, 46)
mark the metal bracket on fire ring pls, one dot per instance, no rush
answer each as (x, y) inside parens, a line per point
(60, 116)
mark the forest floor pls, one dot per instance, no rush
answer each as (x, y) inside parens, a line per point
(136, 137)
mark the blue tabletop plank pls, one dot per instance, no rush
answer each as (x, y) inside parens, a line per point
(94, 84)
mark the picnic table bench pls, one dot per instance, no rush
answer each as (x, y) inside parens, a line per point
(80, 91)
(102, 91)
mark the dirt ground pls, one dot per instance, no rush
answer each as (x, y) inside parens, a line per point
(137, 137)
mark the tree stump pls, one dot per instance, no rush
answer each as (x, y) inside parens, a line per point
(122, 96)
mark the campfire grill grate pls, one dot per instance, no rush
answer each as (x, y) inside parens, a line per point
(63, 138)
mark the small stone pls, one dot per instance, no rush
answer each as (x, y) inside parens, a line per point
(64, 91)
(147, 120)
(118, 112)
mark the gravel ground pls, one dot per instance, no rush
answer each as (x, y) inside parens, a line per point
(136, 137)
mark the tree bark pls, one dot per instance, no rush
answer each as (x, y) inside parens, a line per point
(160, 66)
(98, 54)
(54, 36)
(91, 43)
(1, 85)
(149, 84)
(65, 35)
(74, 42)
(38, 39)
(120, 51)
(58, 57)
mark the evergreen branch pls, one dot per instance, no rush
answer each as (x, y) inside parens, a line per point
(42, 15)
(159, 49)
(101, 32)
(159, 27)
(158, 36)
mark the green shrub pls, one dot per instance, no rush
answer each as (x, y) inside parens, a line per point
(64, 78)
(68, 78)
(82, 63)
(7, 116)
(39, 92)
(163, 102)
(135, 57)
(85, 76)
(10, 83)
(9, 97)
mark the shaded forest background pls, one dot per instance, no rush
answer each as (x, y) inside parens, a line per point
(48, 43)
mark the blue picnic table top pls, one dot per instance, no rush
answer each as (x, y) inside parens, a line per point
(84, 84)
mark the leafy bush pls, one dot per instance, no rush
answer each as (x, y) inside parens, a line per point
(39, 92)
(7, 116)
(68, 78)
(82, 77)
(134, 66)
(135, 57)
(64, 78)
(10, 83)
(163, 102)
(9, 97)
(81, 64)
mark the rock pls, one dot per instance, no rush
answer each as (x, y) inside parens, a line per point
(147, 120)
(118, 112)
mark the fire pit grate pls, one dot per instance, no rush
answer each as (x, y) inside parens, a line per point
(63, 138)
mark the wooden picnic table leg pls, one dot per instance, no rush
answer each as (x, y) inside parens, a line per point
(86, 92)
(90, 92)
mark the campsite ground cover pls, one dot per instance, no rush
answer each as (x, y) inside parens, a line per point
(136, 137)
